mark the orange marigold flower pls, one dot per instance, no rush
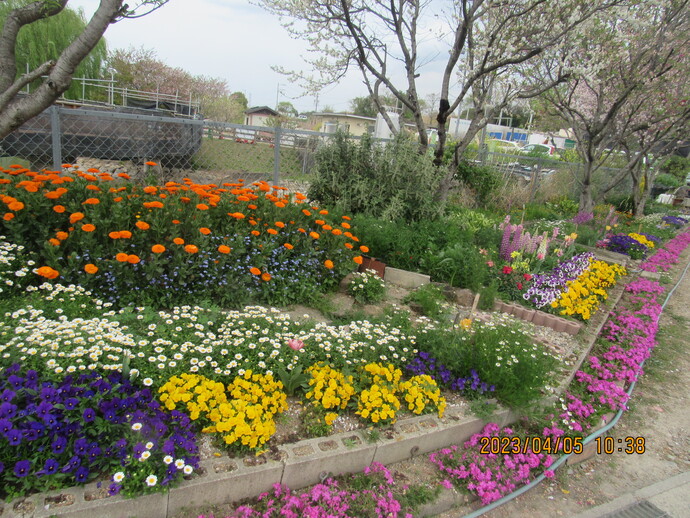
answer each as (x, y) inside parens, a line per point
(288, 246)
(202, 206)
(251, 207)
(205, 231)
(59, 209)
(358, 259)
(61, 235)
(364, 249)
(346, 225)
(347, 218)
(158, 249)
(150, 189)
(326, 227)
(328, 264)
(4, 181)
(320, 222)
(91, 201)
(93, 187)
(184, 199)
(301, 230)
(88, 227)
(54, 242)
(336, 231)
(114, 234)
(279, 204)
(306, 212)
(67, 166)
(224, 249)
(92, 170)
(91, 268)
(133, 259)
(255, 271)
(349, 245)
(242, 197)
(280, 224)
(151, 163)
(142, 225)
(178, 241)
(125, 234)
(124, 175)
(118, 199)
(8, 216)
(47, 272)
(272, 231)
(255, 232)
(237, 215)
(266, 277)
(315, 235)
(175, 222)
(121, 257)
(16, 205)
(153, 204)
(192, 249)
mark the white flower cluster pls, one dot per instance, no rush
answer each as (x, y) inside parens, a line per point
(12, 270)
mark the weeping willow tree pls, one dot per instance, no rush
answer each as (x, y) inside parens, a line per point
(45, 39)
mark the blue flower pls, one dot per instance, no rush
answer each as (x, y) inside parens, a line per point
(81, 474)
(14, 437)
(88, 415)
(22, 468)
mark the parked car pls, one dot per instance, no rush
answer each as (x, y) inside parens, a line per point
(502, 146)
(538, 149)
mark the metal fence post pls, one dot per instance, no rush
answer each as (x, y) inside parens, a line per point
(276, 156)
(56, 135)
(536, 174)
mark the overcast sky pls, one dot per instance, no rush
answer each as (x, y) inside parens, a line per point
(235, 41)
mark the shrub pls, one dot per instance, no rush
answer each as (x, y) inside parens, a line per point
(366, 287)
(389, 181)
(484, 180)
(676, 166)
(668, 180)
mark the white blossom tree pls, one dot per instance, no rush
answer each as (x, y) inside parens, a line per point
(15, 108)
(488, 41)
(627, 90)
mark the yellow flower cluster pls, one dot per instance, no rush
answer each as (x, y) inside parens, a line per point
(329, 388)
(422, 395)
(242, 415)
(380, 402)
(642, 239)
(583, 295)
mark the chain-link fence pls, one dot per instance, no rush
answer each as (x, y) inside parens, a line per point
(124, 139)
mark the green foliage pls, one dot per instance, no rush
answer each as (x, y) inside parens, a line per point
(293, 380)
(487, 295)
(564, 205)
(314, 421)
(459, 265)
(677, 166)
(588, 235)
(622, 202)
(431, 300)
(390, 182)
(501, 354)
(669, 180)
(45, 39)
(366, 287)
(483, 180)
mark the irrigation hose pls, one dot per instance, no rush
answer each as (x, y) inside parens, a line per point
(587, 440)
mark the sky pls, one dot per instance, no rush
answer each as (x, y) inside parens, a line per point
(238, 42)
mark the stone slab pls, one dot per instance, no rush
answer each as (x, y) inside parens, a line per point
(409, 280)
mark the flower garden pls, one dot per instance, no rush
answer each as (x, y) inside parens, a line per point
(137, 318)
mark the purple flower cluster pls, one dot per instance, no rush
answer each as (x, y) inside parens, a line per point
(624, 244)
(674, 220)
(329, 500)
(424, 363)
(547, 287)
(490, 476)
(668, 256)
(582, 217)
(60, 434)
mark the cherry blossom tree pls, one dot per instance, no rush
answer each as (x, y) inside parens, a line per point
(487, 41)
(15, 108)
(627, 89)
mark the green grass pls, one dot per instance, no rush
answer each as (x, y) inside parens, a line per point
(234, 156)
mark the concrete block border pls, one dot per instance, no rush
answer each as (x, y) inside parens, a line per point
(224, 480)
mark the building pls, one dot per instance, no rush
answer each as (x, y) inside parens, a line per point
(355, 125)
(259, 115)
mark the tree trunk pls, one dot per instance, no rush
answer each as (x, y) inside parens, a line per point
(586, 196)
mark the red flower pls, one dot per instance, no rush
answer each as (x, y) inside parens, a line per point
(519, 285)
(507, 270)
(527, 276)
